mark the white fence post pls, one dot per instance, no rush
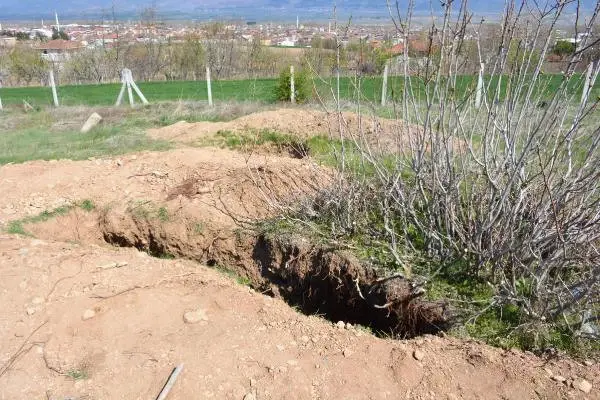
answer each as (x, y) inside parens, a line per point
(122, 91)
(130, 93)
(53, 85)
(589, 82)
(385, 84)
(137, 89)
(479, 87)
(129, 84)
(292, 85)
(209, 86)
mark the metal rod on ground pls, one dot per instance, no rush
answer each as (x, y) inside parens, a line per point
(208, 86)
(586, 84)
(292, 85)
(53, 85)
(170, 382)
(385, 84)
(479, 87)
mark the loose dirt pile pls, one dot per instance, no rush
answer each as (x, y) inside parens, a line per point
(85, 320)
(89, 322)
(303, 124)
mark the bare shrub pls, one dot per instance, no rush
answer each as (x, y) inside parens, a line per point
(505, 194)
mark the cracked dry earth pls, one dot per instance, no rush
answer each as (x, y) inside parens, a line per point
(83, 320)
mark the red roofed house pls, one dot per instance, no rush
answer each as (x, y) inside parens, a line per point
(59, 50)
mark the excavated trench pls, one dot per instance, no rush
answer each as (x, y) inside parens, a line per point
(317, 279)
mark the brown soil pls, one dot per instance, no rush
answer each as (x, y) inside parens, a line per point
(302, 123)
(191, 203)
(249, 342)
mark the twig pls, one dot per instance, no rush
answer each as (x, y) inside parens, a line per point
(97, 296)
(20, 351)
(170, 382)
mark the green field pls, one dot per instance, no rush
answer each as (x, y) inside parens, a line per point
(260, 90)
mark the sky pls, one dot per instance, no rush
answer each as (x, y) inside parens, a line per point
(215, 9)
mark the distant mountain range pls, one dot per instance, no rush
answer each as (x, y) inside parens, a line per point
(215, 9)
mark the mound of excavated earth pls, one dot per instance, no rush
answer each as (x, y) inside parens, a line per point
(302, 123)
(82, 319)
(88, 322)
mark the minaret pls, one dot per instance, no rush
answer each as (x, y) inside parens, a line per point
(57, 24)
(297, 22)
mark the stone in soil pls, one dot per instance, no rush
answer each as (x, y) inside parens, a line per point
(88, 314)
(418, 355)
(193, 317)
(582, 385)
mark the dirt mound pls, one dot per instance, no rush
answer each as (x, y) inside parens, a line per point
(223, 182)
(98, 323)
(91, 321)
(301, 123)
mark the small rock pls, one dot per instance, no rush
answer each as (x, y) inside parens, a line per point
(91, 122)
(30, 310)
(588, 363)
(347, 353)
(314, 339)
(37, 300)
(583, 385)
(340, 325)
(559, 378)
(418, 355)
(292, 362)
(280, 347)
(250, 396)
(88, 314)
(549, 371)
(349, 325)
(119, 163)
(305, 339)
(193, 317)
(252, 382)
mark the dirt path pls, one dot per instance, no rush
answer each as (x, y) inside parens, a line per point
(84, 320)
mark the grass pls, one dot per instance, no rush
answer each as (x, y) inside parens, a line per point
(258, 90)
(17, 227)
(163, 214)
(241, 280)
(53, 134)
(78, 374)
(50, 135)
